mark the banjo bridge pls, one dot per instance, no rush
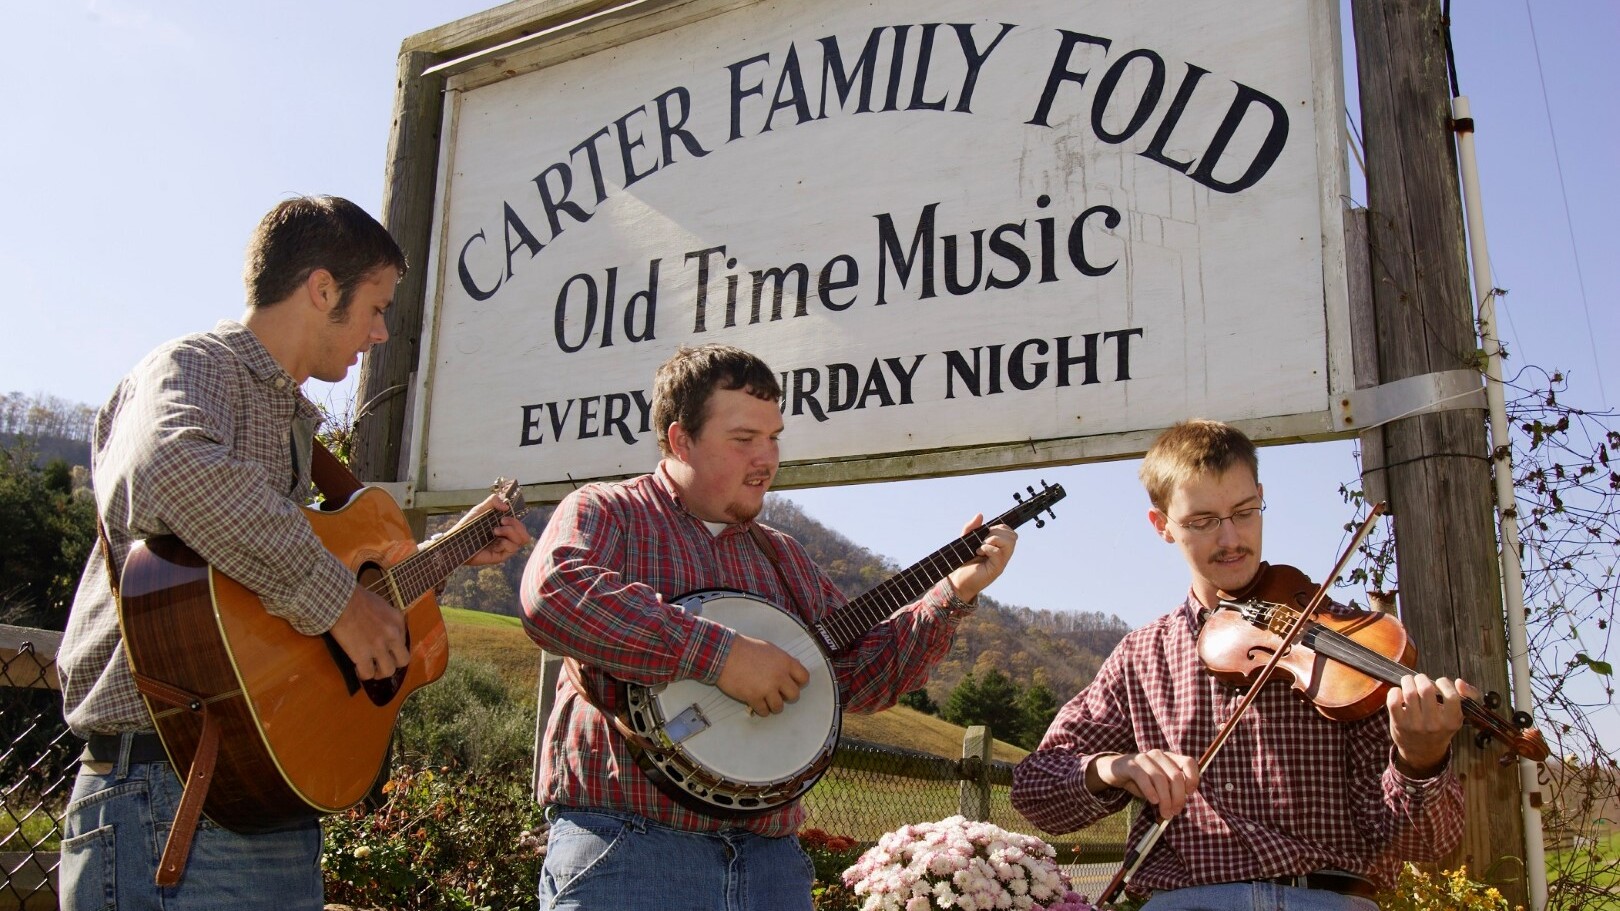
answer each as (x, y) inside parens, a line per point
(685, 725)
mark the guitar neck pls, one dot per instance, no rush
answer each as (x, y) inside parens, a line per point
(421, 572)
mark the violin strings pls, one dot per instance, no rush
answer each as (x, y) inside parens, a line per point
(1353, 653)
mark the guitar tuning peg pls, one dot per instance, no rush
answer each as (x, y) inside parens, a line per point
(1018, 496)
(1040, 522)
(1030, 488)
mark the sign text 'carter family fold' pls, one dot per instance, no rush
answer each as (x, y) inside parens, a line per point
(829, 80)
(947, 225)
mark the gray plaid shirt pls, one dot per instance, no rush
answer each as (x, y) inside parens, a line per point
(199, 441)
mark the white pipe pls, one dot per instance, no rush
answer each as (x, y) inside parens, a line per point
(1535, 858)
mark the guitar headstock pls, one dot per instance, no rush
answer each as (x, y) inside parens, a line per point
(1032, 507)
(511, 493)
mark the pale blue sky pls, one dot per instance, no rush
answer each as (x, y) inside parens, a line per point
(145, 139)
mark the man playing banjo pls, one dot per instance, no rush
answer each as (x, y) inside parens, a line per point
(600, 588)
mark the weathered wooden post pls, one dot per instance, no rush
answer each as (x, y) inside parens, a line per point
(1436, 468)
(974, 802)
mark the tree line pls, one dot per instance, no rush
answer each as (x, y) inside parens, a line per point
(42, 415)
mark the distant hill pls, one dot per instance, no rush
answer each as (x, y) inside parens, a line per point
(1061, 649)
(46, 448)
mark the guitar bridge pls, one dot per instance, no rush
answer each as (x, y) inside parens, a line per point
(686, 725)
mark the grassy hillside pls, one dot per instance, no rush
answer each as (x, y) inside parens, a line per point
(500, 640)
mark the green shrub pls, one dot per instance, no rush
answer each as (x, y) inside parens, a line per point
(1447, 890)
(470, 719)
(443, 839)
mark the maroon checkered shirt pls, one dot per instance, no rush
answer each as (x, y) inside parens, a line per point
(594, 590)
(1291, 792)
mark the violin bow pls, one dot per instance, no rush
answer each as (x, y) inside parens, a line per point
(1139, 852)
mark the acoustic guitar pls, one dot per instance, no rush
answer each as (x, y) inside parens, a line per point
(300, 735)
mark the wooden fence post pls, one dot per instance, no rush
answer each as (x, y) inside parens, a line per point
(974, 802)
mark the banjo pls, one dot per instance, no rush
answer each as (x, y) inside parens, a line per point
(709, 753)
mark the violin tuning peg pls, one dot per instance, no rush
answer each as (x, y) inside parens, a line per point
(1507, 759)
(1493, 700)
(1481, 738)
(1522, 720)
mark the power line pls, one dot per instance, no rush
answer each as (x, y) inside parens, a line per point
(1569, 221)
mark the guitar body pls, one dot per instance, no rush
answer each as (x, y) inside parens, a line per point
(299, 736)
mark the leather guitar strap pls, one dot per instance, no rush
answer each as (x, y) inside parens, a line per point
(183, 828)
(332, 478)
(781, 574)
(201, 775)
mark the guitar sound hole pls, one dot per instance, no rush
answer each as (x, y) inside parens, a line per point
(380, 692)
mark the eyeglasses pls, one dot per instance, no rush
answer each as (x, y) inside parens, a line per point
(1243, 518)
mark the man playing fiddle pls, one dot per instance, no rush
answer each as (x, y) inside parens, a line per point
(1296, 810)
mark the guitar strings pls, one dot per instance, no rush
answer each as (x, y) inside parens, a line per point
(413, 573)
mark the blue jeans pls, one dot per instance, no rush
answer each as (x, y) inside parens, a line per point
(598, 860)
(114, 831)
(1255, 897)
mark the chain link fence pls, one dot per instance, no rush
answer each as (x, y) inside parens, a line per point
(38, 759)
(874, 788)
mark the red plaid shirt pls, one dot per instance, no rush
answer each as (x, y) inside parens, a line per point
(592, 591)
(1291, 792)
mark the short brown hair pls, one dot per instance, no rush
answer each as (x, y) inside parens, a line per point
(307, 233)
(1192, 448)
(685, 382)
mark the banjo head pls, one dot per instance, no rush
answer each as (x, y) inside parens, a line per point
(715, 743)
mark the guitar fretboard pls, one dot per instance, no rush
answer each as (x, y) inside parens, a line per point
(422, 571)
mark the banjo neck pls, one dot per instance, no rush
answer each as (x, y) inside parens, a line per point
(840, 629)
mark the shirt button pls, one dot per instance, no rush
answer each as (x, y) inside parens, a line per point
(1228, 786)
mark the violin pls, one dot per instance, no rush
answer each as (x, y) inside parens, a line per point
(1343, 664)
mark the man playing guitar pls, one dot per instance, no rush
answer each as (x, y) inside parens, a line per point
(209, 438)
(599, 587)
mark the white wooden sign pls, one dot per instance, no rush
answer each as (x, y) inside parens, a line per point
(949, 226)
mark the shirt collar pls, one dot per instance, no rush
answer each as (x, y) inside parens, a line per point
(667, 485)
(264, 368)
